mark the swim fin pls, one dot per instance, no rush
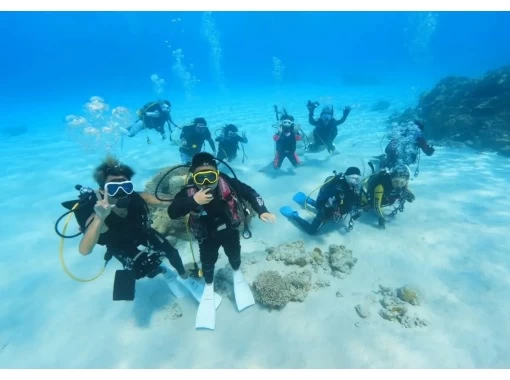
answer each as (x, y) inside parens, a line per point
(242, 291)
(288, 211)
(171, 279)
(206, 313)
(196, 288)
(301, 198)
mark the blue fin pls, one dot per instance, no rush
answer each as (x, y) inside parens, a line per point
(288, 211)
(301, 198)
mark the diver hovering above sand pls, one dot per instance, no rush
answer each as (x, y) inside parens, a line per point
(153, 115)
(406, 142)
(193, 137)
(384, 189)
(228, 142)
(116, 216)
(326, 127)
(214, 202)
(338, 197)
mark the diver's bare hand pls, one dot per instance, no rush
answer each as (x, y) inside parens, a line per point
(102, 209)
(268, 217)
(203, 197)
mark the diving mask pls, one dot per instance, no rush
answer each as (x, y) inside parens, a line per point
(113, 188)
(209, 176)
(399, 182)
(287, 123)
(354, 181)
(326, 116)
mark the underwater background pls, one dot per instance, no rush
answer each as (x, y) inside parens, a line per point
(233, 67)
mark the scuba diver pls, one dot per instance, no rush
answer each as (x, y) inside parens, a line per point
(192, 139)
(338, 197)
(117, 217)
(153, 115)
(326, 127)
(228, 142)
(286, 139)
(404, 147)
(384, 189)
(214, 202)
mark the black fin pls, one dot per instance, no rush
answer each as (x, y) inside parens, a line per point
(124, 285)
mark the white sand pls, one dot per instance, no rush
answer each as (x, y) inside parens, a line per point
(451, 243)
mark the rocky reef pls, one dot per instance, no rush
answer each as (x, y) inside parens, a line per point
(464, 110)
(394, 306)
(338, 260)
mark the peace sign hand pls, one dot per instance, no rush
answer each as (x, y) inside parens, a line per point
(103, 208)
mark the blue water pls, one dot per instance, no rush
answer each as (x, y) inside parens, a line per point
(452, 242)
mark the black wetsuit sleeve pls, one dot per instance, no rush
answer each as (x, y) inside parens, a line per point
(182, 205)
(241, 139)
(311, 120)
(248, 193)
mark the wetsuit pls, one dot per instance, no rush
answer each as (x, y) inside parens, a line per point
(379, 192)
(216, 224)
(335, 200)
(228, 145)
(195, 138)
(125, 235)
(156, 119)
(324, 133)
(286, 148)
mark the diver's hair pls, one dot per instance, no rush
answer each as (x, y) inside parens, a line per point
(231, 128)
(111, 166)
(285, 115)
(200, 120)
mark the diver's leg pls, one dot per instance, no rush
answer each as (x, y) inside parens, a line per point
(208, 257)
(136, 128)
(231, 243)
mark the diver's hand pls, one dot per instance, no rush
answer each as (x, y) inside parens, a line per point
(347, 110)
(203, 197)
(382, 224)
(408, 196)
(102, 209)
(268, 217)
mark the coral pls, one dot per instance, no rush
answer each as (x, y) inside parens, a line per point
(341, 259)
(409, 295)
(471, 111)
(290, 253)
(394, 306)
(299, 284)
(271, 290)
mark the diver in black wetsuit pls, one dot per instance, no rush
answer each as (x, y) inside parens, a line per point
(192, 139)
(384, 189)
(228, 142)
(326, 127)
(153, 115)
(337, 198)
(119, 220)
